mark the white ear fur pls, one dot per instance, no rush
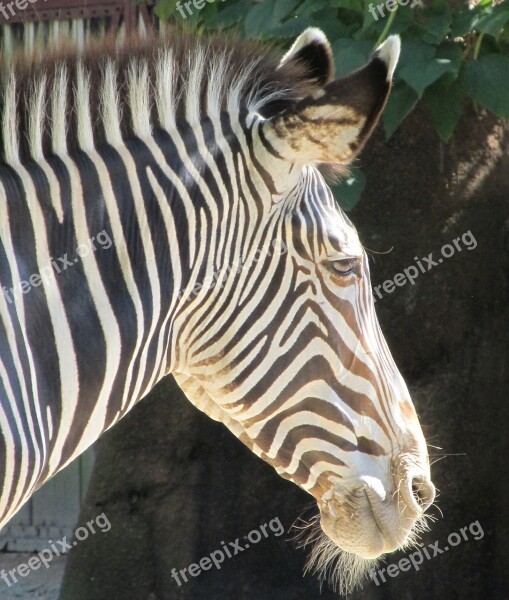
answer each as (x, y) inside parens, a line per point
(312, 49)
(389, 52)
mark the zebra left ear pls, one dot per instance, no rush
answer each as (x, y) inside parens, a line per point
(332, 124)
(312, 50)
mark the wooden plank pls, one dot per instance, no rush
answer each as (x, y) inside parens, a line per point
(58, 10)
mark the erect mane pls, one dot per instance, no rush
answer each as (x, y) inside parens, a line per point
(109, 91)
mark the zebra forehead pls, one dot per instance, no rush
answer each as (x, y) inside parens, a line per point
(67, 97)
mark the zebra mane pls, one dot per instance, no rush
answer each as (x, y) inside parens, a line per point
(71, 97)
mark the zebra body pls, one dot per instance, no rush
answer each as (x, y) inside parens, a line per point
(166, 214)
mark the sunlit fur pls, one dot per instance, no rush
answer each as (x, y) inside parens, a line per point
(115, 89)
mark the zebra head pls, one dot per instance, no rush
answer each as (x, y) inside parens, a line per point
(277, 324)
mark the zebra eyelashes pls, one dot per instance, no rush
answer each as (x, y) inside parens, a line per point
(331, 124)
(343, 266)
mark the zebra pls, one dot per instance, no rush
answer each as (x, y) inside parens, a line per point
(164, 209)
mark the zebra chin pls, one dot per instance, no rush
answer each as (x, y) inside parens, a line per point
(367, 527)
(354, 529)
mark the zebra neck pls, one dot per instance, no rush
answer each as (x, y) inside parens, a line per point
(103, 252)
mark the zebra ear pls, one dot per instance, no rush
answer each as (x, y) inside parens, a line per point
(332, 124)
(312, 49)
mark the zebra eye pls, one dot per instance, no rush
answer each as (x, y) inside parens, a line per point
(344, 266)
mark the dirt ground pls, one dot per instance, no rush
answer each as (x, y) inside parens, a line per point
(42, 584)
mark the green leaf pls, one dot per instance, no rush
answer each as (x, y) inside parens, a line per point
(265, 17)
(401, 102)
(282, 8)
(451, 51)
(296, 24)
(464, 21)
(372, 28)
(165, 9)
(487, 82)
(256, 20)
(326, 19)
(436, 27)
(444, 101)
(494, 20)
(291, 28)
(350, 55)
(353, 5)
(349, 190)
(486, 18)
(229, 16)
(503, 40)
(308, 7)
(421, 65)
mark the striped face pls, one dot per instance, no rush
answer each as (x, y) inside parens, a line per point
(283, 345)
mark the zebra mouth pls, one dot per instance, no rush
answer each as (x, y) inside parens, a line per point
(388, 520)
(352, 525)
(373, 514)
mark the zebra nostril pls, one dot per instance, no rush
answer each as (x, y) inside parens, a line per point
(422, 492)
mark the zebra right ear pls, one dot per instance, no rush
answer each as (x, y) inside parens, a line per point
(331, 124)
(313, 51)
